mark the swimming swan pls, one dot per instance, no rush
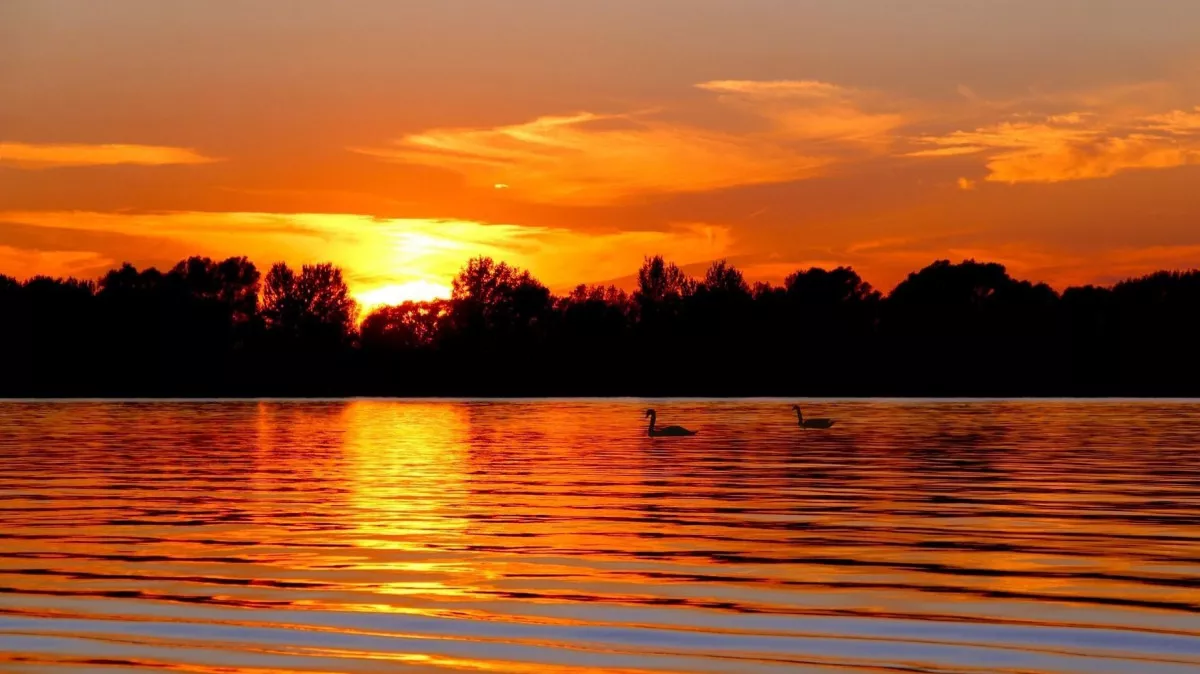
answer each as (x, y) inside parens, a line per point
(669, 431)
(811, 423)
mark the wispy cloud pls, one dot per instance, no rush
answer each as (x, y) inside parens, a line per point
(1109, 132)
(815, 111)
(20, 262)
(44, 156)
(948, 150)
(1050, 152)
(593, 159)
(799, 129)
(1176, 122)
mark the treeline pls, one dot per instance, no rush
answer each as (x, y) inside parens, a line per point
(209, 328)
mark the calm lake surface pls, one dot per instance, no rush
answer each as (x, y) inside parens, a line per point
(554, 536)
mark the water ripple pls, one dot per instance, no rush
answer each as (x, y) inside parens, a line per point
(554, 536)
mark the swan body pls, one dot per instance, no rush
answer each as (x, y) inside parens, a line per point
(667, 432)
(811, 423)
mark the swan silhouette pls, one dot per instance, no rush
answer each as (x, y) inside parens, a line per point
(669, 431)
(811, 423)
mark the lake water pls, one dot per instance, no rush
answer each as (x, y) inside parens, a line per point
(554, 536)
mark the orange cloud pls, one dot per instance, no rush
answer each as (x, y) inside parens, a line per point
(1073, 146)
(21, 263)
(1100, 158)
(811, 110)
(34, 156)
(950, 151)
(1178, 122)
(592, 159)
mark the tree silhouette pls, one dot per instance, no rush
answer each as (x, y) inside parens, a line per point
(591, 340)
(661, 336)
(211, 307)
(726, 281)
(716, 328)
(958, 325)
(215, 328)
(1156, 323)
(409, 326)
(662, 282)
(498, 306)
(232, 283)
(312, 310)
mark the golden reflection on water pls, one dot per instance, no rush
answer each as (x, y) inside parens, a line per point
(554, 536)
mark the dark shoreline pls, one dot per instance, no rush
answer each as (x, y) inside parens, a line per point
(208, 329)
(494, 396)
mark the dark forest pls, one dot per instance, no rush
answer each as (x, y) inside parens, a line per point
(222, 328)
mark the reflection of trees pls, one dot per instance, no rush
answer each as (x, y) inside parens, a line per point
(208, 327)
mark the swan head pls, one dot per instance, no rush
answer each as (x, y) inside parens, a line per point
(796, 408)
(651, 413)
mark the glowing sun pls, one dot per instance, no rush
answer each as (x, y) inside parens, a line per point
(391, 295)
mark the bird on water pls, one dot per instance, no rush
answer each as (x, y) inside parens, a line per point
(669, 431)
(811, 423)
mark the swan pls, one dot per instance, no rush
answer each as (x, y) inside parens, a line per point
(811, 423)
(669, 431)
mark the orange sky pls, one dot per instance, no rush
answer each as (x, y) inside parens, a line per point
(397, 139)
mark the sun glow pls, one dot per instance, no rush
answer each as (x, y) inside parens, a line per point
(391, 295)
(386, 261)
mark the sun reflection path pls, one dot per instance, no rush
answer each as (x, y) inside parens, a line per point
(556, 536)
(405, 469)
(406, 464)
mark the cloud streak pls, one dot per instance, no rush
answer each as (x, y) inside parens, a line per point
(807, 110)
(595, 159)
(47, 156)
(799, 129)
(591, 159)
(1077, 145)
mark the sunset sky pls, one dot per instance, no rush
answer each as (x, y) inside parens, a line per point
(399, 138)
